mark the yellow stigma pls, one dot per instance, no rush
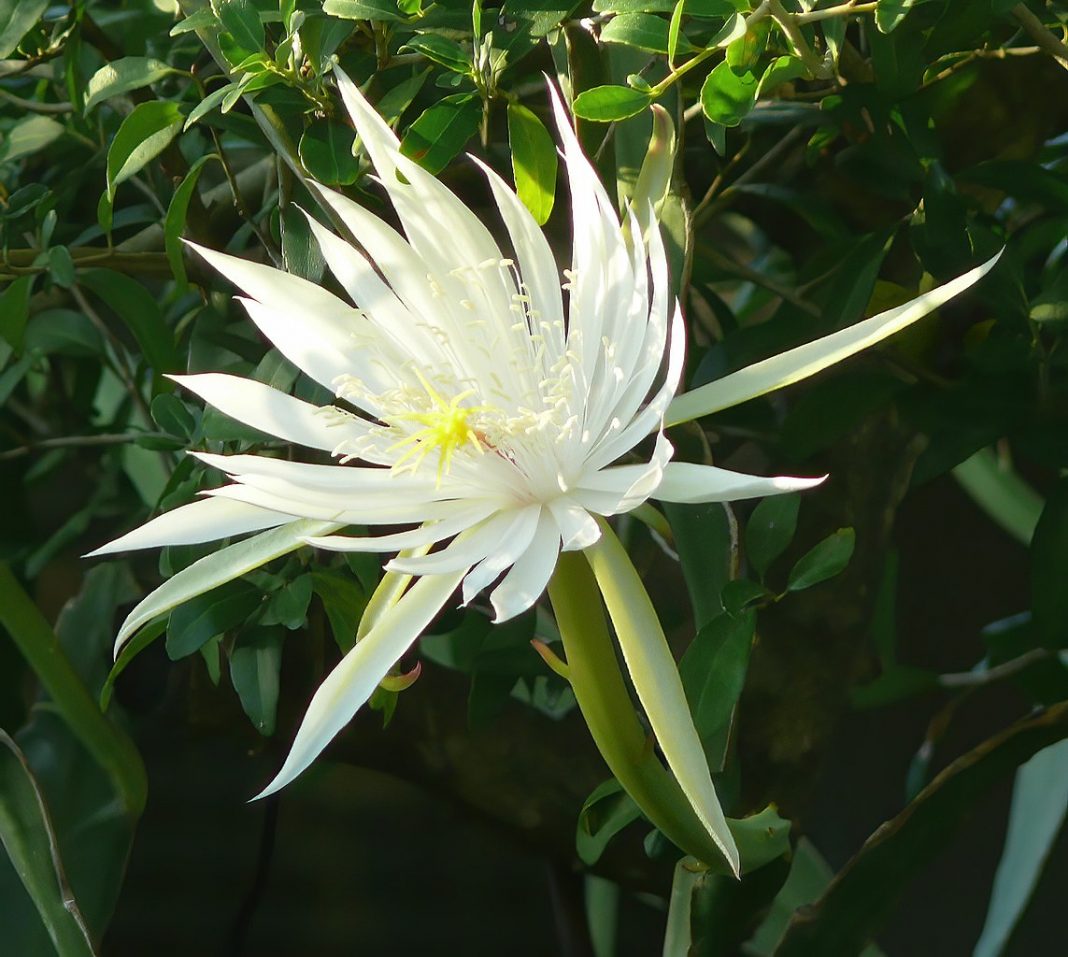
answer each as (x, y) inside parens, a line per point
(446, 426)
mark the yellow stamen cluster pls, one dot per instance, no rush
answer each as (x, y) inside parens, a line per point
(447, 426)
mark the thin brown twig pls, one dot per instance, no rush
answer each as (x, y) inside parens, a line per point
(79, 441)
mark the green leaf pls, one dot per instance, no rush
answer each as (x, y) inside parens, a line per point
(174, 221)
(604, 814)
(241, 20)
(770, 530)
(326, 152)
(675, 31)
(889, 13)
(533, 161)
(364, 9)
(865, 892)
(300, 252)
(441, 50)
(726, 96)
(140, 311)
(642, 31)
(1039, 803)
(288, 606)
(201, 19)
(713, 672)
(694, 8)
(824, 561)
(109, 747)
(143, 135)
(606, 104)
(212, 100)
(703, 540)
(998, 490)
(15, 310)
(254, 666)
(63, 332)
(207, 615)
(16, 19)
(61, 266)
(27, 835)
(781, 70)
(343, 600)
(172, 415)
(28, 136)
(442, 131)
(122, 76)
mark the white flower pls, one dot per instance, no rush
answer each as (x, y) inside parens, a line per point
(491, 413)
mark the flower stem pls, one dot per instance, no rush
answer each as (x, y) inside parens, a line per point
(606, 705)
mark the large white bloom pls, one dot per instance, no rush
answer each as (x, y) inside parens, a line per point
(481, 405)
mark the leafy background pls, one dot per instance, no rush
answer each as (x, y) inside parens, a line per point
(882, 660)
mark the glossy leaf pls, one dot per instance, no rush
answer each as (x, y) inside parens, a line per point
(826, 560)
(122, 76)
(29, 839)
(770, 530)
(533, 161)
(442, 131)
(254, 666)
(143, 135)
(606, 104)
(326, 152)
(726, 96)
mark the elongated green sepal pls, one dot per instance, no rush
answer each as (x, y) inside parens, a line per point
(800, 363)
(607, 708)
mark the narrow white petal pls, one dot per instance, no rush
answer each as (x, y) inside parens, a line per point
(320, 360)
(216, 569)
(797, 364)
(351, 683)
(656, 680)
(348, 478)
(416, 537)
(537, 265)
(465, 551)
(527, 578)
(514, 540)
(206, 520)
(261, 407)
(578, 528)
(651, 417)
(689, 484)
(629, 484)
(391, 510)
(308, 306)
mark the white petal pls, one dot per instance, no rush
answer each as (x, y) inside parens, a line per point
(424, 535)
(797, 364)
(513, 541)
(309, 307)
(352, 682)
(537, 266)
(656, 680)
(321, 360)
(384, 510)
(398, 328)
(630, 485)
(578, 528)
(652, 416)
(468, 549)
(274, 412)
(527, 578)
(348, 478)
(216, 569)
(688, 483)
(206, 520)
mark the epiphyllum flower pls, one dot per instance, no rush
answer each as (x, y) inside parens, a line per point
(492, 413)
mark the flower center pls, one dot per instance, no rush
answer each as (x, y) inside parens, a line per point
(447, 427)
